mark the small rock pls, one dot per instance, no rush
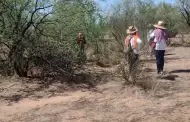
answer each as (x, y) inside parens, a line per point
(52, 89)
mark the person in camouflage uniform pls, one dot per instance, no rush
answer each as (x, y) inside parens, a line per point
(81, 42)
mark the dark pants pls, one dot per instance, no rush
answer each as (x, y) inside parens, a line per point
(160, 60)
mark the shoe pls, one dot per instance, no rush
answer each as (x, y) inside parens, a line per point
(162, 73)
(158, 72)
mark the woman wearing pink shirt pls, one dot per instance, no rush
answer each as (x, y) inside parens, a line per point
(161, 37)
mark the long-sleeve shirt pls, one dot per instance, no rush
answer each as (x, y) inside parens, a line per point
(161, 36)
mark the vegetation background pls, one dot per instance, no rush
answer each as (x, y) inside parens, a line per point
(36, 33)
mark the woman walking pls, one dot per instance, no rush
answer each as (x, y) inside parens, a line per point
(161, 38)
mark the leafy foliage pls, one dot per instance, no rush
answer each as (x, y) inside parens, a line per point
(43, 32)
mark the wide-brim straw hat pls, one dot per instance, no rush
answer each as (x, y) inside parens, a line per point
(160, 25)
(131, 30)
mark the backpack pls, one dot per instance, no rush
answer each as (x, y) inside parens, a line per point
(128, 39)
(130, 49)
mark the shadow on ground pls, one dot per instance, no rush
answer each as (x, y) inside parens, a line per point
(168, 54)
(181, 71)
(51, 86)
(153, 60)
(149, 70)
(168, 77)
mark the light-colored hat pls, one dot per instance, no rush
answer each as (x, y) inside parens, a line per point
(131, 30)
(160, 25)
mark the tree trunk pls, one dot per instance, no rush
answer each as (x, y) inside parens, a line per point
(21, 67)
(17, 60)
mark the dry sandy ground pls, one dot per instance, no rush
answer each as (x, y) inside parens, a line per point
(168, 101)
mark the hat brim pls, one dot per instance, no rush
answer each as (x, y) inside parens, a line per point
(158, 26)
(131, 32)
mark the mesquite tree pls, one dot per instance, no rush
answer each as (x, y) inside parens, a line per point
(20, 23)
(43, 32)
(185, 10)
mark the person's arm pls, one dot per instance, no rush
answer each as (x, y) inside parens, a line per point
(152, 36)
(139, 45)
(139, 42)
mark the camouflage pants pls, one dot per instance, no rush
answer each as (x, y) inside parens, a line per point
(81, 55)
(133, 60)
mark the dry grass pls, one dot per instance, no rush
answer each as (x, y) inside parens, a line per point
(181, 41)
(166, 101)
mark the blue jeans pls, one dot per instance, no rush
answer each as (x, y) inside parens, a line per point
(160, 60)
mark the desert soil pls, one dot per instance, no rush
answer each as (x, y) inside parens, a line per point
(109, 101)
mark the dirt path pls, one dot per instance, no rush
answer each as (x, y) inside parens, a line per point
(169, 101)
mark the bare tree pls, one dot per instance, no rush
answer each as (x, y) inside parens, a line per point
(185, 10)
